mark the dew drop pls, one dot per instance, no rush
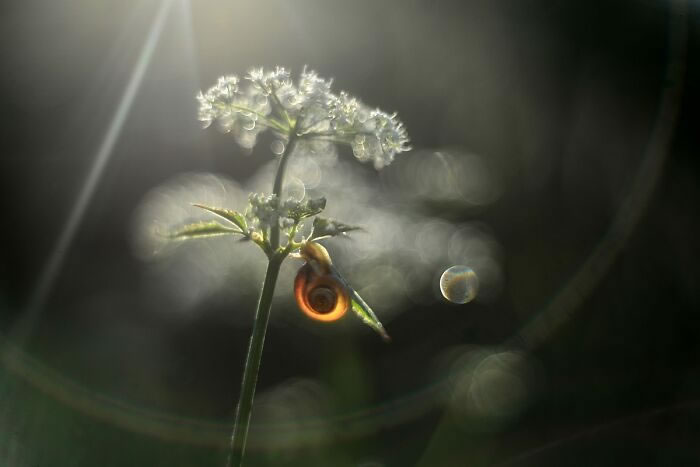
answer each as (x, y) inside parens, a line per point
(362, 115)
(294, 189)
(260, 100)
(373, 147)
(277, 147)
(459, 284)
(249, 124)
(358, 148)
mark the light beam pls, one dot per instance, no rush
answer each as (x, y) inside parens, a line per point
(54, 263)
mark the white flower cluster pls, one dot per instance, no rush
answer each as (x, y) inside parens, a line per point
(242, 111)
(373, 135)
(309, 110)
(263, 210)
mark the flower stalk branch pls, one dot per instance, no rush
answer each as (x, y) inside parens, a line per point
(277, 186)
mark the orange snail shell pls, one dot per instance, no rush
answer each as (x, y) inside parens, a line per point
(319, 293)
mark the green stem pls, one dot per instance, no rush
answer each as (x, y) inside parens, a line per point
(277, 187)
(252, 363)
(262, 317)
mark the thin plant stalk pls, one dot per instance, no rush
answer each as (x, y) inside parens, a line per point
(252, 364)
(244, 410)
(277, 186)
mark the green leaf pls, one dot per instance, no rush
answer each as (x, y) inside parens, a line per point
(203, 230)
(328, 227)
(307, 209)
(234, 217)
(365, 313)
(361, 308)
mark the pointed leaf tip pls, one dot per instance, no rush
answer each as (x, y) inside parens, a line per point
(202, 230)
(325, 227)
(234, 217)
(365, 313)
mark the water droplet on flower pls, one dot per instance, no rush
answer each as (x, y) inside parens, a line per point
(362, 113)
(260, 100)
(459, 284)
(249, 124)
(373, 146)
(277, 147)
(358, 148)
(294, 189)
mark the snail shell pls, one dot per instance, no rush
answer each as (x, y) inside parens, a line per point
(320, 294)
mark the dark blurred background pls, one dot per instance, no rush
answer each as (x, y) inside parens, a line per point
(576, 107)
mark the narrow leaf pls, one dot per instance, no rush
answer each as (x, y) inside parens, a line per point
(327, 227)
(361, 308)
(236, 218)
(203, 230)
(365, 313)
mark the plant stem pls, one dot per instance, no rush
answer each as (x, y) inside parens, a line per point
(252, 363)
(277, 187)
(262, 317)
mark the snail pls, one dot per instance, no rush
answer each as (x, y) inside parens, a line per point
(319, 290)
(323, 294)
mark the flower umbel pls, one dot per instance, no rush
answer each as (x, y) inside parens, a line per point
(308, 110)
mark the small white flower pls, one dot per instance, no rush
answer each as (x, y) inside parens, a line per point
(344, 111)
(264, 210)
(269, 82)
(314, 91)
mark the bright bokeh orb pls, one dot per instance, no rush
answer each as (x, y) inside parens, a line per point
(294, 189)
(459, 284)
